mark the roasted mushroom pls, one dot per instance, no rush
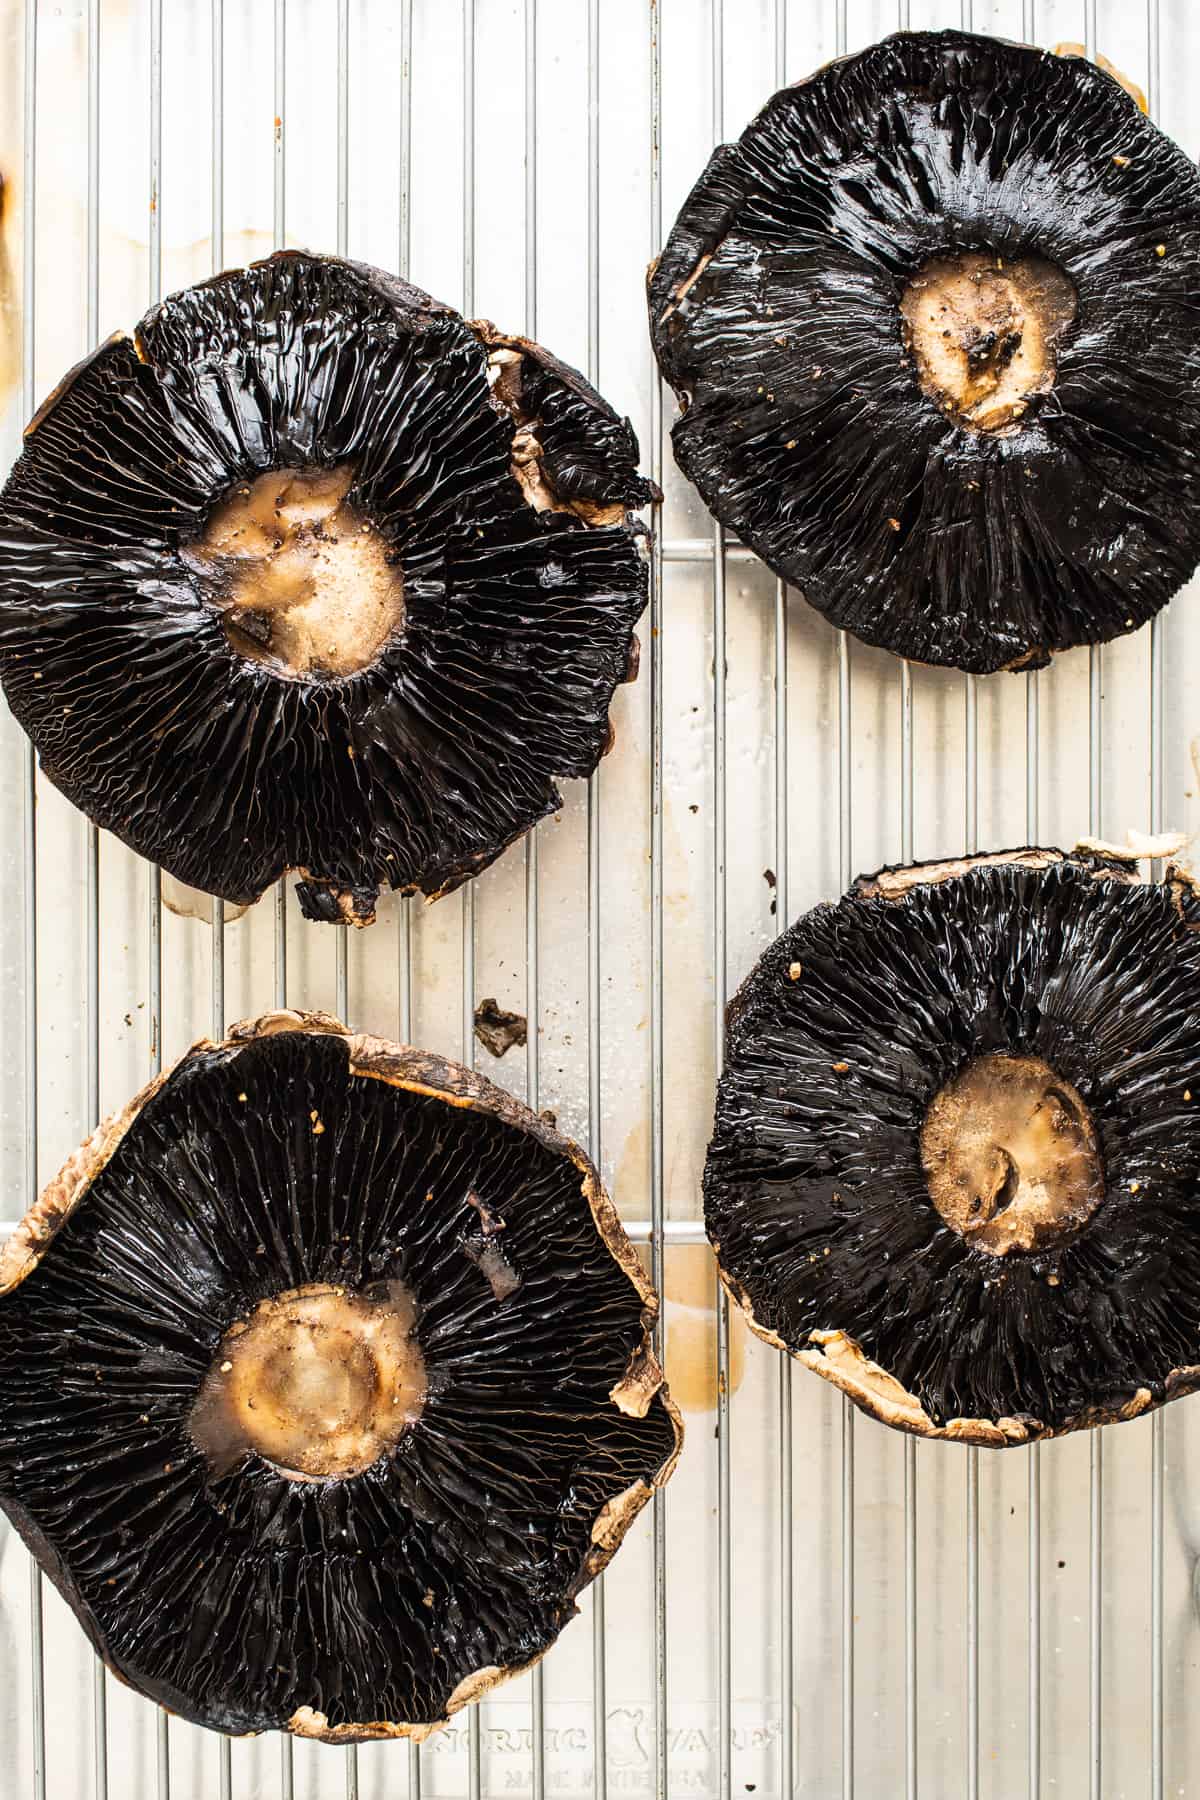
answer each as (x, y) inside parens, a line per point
(956, 1157)
(931, 323)
(314, 574)
(326, 1384)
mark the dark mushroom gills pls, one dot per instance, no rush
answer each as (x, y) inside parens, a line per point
(326, 1384)
(930, 323)
(312, 574)
(956, 1157)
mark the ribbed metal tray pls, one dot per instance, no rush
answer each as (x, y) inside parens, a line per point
(817, 1607)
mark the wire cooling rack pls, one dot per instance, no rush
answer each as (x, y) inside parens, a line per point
(815, 1607)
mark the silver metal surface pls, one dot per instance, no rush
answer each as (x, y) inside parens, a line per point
(832, 1610)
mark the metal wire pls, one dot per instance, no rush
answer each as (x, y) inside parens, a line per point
(1096, 1446)
(720, 986)
(279, 161)
(532, 986)
(341, 1001)
(1032, 832)
(29, 831)
(474, 1735)
(599, 1663)
(278, 225)
(278, 231)
(657, 1233)
(155, 921)
(91, 832)
(971, 845)
(653, 1229)
(845, 870)
(907, 756)
(404, 946)
(1158, 1427)
(278, 236)
(787, 1611)
(971, 823)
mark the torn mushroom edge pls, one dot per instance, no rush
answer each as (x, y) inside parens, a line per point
(28, 1243)
(419, 1072)
(526, 462)
(879, 1394)
(529, 476)
(858, 1376)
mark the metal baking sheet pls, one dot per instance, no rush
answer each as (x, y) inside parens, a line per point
(817, 1608)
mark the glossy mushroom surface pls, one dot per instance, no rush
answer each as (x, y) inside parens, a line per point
(956, 1158)
(326, 1384)
(313, 574)
(930, 323)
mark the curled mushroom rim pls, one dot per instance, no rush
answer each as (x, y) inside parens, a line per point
(834, 1354)
(839, 1359)
(421, 1072)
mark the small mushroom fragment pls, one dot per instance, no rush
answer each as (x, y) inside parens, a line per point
(498, 1030)
(326, 1384)
(955, 1163)
(930, 323)
(313, 574)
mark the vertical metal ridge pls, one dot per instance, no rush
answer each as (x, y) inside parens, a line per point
(406, 90)
(474, 1732)
(1035, 1620)
(720, 989)
(91, 834)
(658, 1517)
(599, 1664)
(1032, 830)
(972, 1622)
(1032, 756)
(787, 1599)
(971, 846)
(279, 225)
(279, 162)
(37, 1696)
(1096, 1446)
(278, 229)
(343, 126)
(341, 1003)
(1158, 1439)
(845, 874)
(37, 1703)
(845, 856)
(971, 762)
(404, 996)
(404, 923)
(907, 761)
(154, 244)
(1095, 1615)
(341, 970)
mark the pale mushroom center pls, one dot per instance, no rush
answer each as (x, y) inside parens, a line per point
(1010, 1154)
(319, 1381)
(983, 331)
(301, 580)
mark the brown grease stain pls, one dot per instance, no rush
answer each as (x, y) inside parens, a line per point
(690, 1316)
(10, 311)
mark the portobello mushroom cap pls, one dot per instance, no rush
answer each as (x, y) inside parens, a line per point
(956, 1158)
(326, 1383)
(314, 574)
(931, 322)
